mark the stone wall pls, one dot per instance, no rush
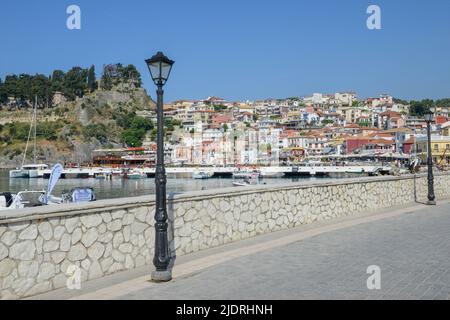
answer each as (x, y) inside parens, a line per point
(38, 245)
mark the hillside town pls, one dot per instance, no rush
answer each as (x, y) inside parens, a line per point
(217, 132)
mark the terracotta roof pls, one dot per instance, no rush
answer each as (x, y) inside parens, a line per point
(391, 114)
(380, 141)
(404, 130)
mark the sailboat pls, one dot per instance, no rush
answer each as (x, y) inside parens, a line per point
(30, 170)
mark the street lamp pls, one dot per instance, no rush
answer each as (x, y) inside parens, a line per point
(160, 66)
(431, 197)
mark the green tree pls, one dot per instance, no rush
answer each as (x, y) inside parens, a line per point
(133, 137)
(141, 123)
(327, 121)
(124, 120)
(106, 82)
(443, 103)
(131, 74)
(11, 86)
(400, 101)
(75, 83)
(91, 82)
(219, 107)
(3, 95)
(98, 131)
(57, 80)
(24, 90)
(41, 88)
(135, 134)
(418, 108)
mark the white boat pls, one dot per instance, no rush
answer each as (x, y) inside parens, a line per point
(241, 183)
(116, 172)
(134, 175)
(103, 175)
(23, 199)
(246, 174)
(29, 171)
(18, 173)
(75, 195)
(267, 174)
(202, 175)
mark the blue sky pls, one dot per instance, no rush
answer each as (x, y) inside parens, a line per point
(241, 49)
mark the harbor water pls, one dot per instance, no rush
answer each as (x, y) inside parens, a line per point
(121, 188)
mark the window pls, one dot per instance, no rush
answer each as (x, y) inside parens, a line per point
(436, 147)
(447, 146)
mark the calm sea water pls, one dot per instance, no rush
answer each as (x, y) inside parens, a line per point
(120, 188)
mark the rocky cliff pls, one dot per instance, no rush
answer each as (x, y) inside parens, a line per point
(70, 131)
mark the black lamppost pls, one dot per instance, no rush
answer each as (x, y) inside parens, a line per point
(431, 197)
(160, 67)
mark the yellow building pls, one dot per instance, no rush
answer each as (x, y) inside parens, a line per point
(446, 129)
(440, 147)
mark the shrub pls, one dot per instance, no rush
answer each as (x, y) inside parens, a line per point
(98, 131)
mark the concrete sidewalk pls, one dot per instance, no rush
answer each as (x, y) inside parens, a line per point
(326, 260)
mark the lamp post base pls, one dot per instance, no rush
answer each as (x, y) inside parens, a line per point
(431, 202)
(161, 276)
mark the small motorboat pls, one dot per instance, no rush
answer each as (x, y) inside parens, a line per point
(266, 174)
(246, 174)
(23, 199)
(76, 195)
(202, 175)
(241, 183)
(116, 172)
(134, 175)
(102, 176)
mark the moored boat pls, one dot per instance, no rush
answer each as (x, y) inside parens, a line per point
(246, 174)
(23, 199)
(202, 175)
(18, 174)
(241, 183)
(134, 175)
(29, 171)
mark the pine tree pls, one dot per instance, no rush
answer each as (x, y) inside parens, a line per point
(3, 95)
(106, 82)
(92, 83)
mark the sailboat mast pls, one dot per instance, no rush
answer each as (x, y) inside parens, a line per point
(29, 136)
(35, 128)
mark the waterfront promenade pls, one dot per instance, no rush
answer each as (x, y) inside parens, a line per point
(324, 260)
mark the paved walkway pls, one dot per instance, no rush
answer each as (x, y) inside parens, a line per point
(328, 260)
